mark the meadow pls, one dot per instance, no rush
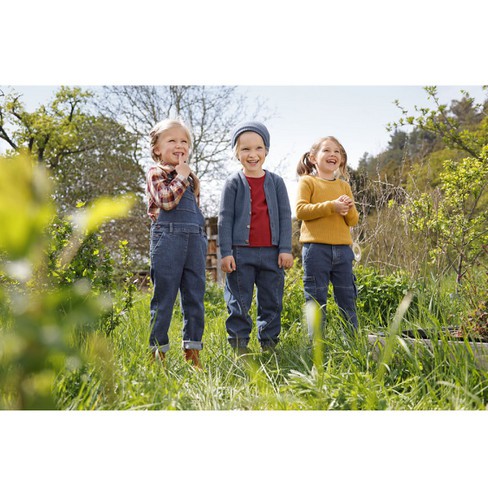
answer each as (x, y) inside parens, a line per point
(337, 372)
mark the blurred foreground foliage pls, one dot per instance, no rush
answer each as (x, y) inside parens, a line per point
(52, 297)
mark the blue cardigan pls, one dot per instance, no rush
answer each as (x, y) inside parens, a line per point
(235, 213)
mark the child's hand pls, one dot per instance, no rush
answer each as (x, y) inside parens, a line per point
(285, 260)
(342, 207)
(346, 199)
(228, 264)
(183, 168)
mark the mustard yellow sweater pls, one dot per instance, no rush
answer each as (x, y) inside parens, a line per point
(320, 222)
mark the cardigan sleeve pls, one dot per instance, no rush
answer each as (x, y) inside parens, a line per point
(226, 217)
(284, 210)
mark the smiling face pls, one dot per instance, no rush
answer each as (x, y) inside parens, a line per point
(172, 144)
(251, 153)
(328, 159)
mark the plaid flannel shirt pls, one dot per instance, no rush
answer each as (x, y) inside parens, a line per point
(164, 189)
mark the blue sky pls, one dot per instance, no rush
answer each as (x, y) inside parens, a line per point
(356, 115)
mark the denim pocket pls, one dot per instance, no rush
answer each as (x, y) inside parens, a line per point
(305, 252)
(157, 233)
(351, 253)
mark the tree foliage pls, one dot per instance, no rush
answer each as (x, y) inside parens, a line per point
(89, 155)
(210, 111)
(46, 303)
(49, 133)
(412, 171)
(455, 219)
(454, 124)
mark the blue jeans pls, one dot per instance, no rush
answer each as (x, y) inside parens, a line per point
(324, 263)
(178, 258)
(255, 266)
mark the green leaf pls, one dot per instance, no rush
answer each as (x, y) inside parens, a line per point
(103, 209)
(25, 206)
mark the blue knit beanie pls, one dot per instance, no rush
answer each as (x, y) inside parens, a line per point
(256, 127)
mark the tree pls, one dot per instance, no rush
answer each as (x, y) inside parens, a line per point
(455, 213)
(465, 111)
(107, 167)
(410, 175)
(88, 156)
(451, 124)
(456, 218)
(210, 111)
(50, 132)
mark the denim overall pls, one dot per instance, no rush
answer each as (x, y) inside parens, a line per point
(178, 259)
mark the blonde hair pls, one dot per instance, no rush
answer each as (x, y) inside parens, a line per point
(160, 128)
(163, 126)
(306, 167)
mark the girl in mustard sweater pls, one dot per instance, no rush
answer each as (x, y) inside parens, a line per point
(325, 206)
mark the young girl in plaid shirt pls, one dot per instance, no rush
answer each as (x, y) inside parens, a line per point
(178, 240)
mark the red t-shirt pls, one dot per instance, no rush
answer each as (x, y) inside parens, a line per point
(260, 232)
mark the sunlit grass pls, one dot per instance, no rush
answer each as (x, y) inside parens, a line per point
(338, 372)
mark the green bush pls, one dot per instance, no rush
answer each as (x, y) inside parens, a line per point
(379, 295)
(43, 307)
(93, 262)
(474, 315)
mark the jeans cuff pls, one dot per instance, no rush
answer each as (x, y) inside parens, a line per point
(235, 342)
(193, 345)
(164, 348)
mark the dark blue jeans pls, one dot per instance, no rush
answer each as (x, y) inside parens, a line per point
(255, 266)
(178, 258)
(324, 263)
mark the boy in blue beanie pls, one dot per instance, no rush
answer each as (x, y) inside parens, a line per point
(255, 240)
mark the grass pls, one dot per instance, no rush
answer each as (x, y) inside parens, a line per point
(338, 373)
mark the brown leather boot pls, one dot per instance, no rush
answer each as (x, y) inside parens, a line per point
(193, 356)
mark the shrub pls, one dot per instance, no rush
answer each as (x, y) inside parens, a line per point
(40, 313)
(379, 295)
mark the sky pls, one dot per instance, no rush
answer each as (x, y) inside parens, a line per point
(297, 115)
(357, 115)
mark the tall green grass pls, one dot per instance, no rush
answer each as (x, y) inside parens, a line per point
(340, 372)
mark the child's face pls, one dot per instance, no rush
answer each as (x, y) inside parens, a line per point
(328, 159)
(172, 144)
(251, 153)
